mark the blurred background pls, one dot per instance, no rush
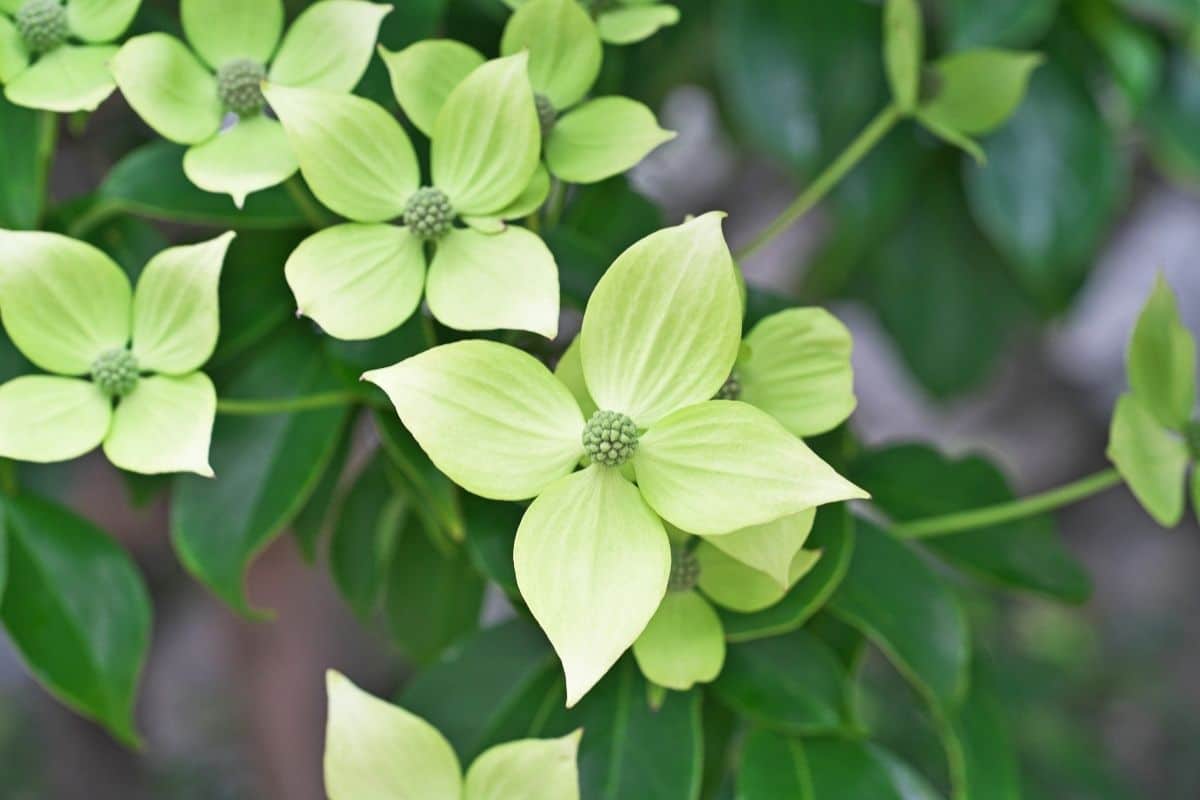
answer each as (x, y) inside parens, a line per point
(990, 307)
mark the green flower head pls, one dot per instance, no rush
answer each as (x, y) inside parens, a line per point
(621, 21)
(1153, 437)
(660, 336)
(210, 98)
(363, 279)
(125, 364)
(582, 141)
(54, 54)
(374, 749)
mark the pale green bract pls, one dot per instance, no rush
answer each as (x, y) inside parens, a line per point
(377, 751)
(660, 338)
(583, 141)
(71, 311)
(626, 21)
(64, 68)
(1153, 437)
(363, 279)
(210, 98)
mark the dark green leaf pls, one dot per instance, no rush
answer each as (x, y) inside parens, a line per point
(998, 23)
(150, 182)
(952, 331)
(1053, 180)
(800, 77)
(255, 299)
(266, 467)
(77, 610)
(793, 684)
(318, 513)
(833, 535)
(26, 146)
(369, 520)
(629, 749)
(437, 496)
(130, 241)
(490, 688)
(1179, 14)
(908, 612)
(433, 595)
(983, 761)
(491, 529)
(773, 767)
(1025, 554)
(1172, 119)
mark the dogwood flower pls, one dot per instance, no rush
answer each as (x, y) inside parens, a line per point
(660, 337)
(54, 55)
(211, 98)
(365, 278)
(582, 142)
(377, 751)
(794, 365)
(623, 21)
(71, 311)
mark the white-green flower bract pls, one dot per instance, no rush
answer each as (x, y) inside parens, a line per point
(377, 751)
(189, 99)
(71, 311)
(54, 55)
(660, 337)
(365, 278)
(625, 21)
(583, 141)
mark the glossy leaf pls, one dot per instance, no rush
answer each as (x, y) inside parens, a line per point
(792, 684)
(1161, 360)
(564, 48)
(439, 494)
(77, 611)
(1055, 176)
(266, 468)
(907, 611)
(1001, 23)
(24, 161)
(1152, 460)
(490, 416)
(592, 563)
(720, 466)
(1025, 554)
(978, 90)
(661, 329)
(486, 138)
(362, 543)
(982, 753)
(354, 155)
(329, 45)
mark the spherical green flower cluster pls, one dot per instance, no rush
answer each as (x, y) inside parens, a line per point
(547, 115)
(42, 25)
(239, 85)
(610, 438)
(428, 213)
(115, 373)
(731, 389)
(685, 570)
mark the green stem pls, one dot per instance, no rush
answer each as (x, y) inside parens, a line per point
(100, 213)
(8, 477)
(288, 405)
(555, 203)
(48, 122)
(304, 201)
(833, 174)
(1010, 511)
